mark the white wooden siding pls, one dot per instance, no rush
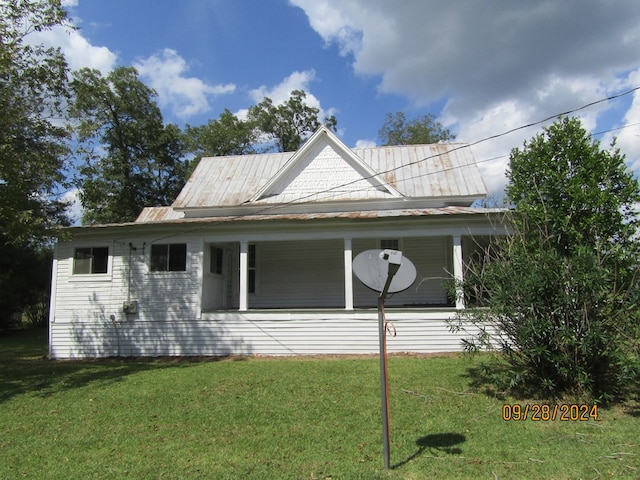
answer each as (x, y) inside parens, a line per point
(324, 175)
(99, 299)
(257, 333)
(88, 318)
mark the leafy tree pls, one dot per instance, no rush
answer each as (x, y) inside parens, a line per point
(290, 123)
(33, 149)
(228, 135)
(563, 291)
(397, 130)
(33, 91)
(132, 159)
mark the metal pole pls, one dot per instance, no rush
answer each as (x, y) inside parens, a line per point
(384, 382)
(384, 377)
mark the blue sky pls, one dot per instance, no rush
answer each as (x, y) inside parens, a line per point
(481, 67)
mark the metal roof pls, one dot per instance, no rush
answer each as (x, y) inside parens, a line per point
(435, 170)
(229, 181)
(415, 171)
(166, 215)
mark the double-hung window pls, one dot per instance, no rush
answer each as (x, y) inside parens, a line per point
(170, 257)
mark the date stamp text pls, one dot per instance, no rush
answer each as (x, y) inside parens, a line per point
(544, 412)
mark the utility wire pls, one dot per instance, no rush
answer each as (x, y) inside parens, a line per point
(306, 198)
(460, 147)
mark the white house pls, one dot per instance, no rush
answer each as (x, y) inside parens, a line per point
(255, 256)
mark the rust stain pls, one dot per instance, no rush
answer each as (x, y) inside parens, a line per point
(390, 178)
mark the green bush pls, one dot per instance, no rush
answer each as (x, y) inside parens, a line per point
(559, 297)
(562, 323)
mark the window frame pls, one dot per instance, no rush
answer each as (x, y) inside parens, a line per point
(216, 260)
(90, 277)
(106, 261)
(167, 260)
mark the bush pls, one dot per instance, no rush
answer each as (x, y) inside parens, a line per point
(559, 298)
(562, 323)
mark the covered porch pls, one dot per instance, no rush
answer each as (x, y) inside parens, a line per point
(288, 274)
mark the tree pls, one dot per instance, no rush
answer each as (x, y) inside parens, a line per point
(33, 150)
(228, 135)
(397, 130)
(33, 91)
(562, 292)
(131, 159)
(290, 123)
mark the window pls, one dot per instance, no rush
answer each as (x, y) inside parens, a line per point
(217, 258)
(90, 260)
(390, 244)
(169, 257)
(252, 268)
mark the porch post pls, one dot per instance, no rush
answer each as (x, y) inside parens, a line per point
(348, 274)
(244, 275)
(458, 274)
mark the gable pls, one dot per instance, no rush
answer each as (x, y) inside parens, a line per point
(324, 173)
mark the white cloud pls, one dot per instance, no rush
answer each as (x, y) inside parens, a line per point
(164, 71)
(339, 25)
(494, 67)
(628, 139)
(186, 96)
(365, 143)
(282, 92)
(74, 210)
(78, 51)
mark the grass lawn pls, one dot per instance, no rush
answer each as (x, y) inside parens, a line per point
(290, 418)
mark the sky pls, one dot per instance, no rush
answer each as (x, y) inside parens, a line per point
(482, 68)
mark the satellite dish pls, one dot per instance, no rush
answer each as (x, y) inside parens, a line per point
(372, 268)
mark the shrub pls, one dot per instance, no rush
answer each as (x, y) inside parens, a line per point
(559, 297)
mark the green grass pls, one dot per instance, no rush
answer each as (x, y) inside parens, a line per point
(293, 418)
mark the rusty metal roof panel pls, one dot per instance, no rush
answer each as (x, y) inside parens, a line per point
(164, 216)
(229, 181)
(158, 214)
(415, 171)
(436, 170)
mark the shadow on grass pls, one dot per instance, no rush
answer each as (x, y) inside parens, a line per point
(483, 379)
(491, 377)
(24, 368)
(434, 443)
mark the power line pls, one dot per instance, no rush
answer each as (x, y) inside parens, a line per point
(302, 199)
(462, 146)
(616, 128)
